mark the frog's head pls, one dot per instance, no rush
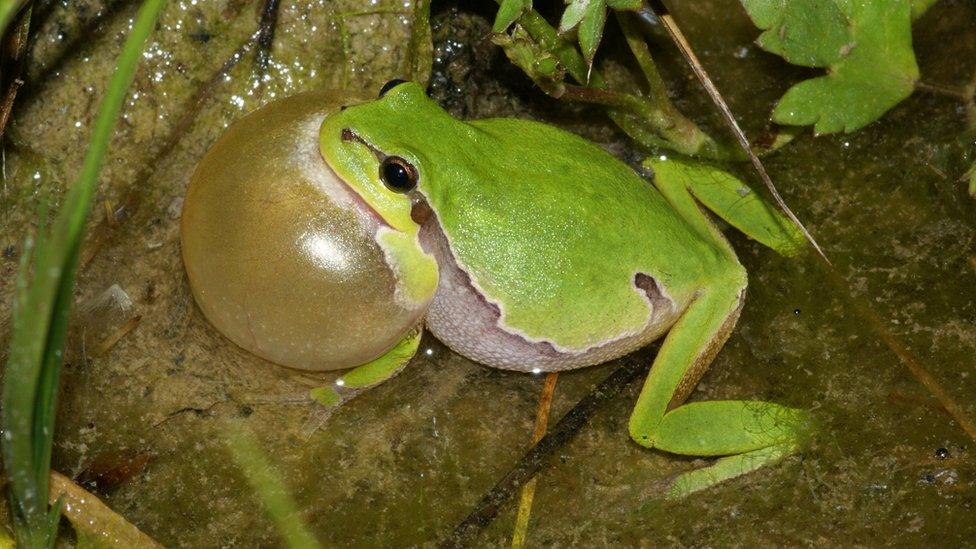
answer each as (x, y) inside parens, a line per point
(386, 150)
(383, 152)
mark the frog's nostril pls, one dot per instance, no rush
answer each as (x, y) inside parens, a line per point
(347, 135)
(343, 107)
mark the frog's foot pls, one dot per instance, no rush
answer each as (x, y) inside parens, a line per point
(327, 399)
(748, 434)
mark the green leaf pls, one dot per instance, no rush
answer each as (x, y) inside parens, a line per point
(591, 29)
(865, 45)
(575, 10)
(589, 16)
(508, 12)
(538, 63)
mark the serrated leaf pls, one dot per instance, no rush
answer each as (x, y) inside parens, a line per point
(866, 45)
(508, 12)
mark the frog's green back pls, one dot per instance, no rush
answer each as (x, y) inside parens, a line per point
(556, 233)
(550, 227)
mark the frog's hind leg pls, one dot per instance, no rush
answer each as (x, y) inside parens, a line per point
(749, 434)
(329, 398)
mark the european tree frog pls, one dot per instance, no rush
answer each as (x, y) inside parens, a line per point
(529, 248)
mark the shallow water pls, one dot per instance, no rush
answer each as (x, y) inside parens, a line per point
(406, 462)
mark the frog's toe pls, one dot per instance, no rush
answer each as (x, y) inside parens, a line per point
(302, 398)
(317, 418)
(726, 468)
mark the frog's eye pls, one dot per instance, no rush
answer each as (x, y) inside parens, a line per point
(390, 85)
(398, 175)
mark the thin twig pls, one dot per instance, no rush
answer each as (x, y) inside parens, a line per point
(266, 34)
(77, 45)
(937, 89)
(97, 521)
(105, 345)
(538, 456)
(528, 491)
(864, 308)
(661, 12)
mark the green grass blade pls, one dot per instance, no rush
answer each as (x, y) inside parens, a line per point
(8, 10)
(269, 487)
(42, 307)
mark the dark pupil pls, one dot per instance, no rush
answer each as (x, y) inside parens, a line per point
(397, 176)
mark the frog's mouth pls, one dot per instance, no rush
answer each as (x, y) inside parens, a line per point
(360, 203)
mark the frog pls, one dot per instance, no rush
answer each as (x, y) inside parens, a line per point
(532, 249)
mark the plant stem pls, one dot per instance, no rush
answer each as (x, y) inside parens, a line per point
(652, 121)
(528, 491)
(671, 26)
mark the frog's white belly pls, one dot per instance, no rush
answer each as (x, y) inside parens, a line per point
(464, 321)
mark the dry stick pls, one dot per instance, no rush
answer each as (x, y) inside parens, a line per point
(662, 13)
(528, 491)
(910, 362)
(88, 33)
(105, 345)
(538, 456)
(939, 89)
(266, 34)
(94, 520)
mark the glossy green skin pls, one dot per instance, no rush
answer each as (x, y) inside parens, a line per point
(553, 230)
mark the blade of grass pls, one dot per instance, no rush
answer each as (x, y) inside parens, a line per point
(41, 309)
(13, 49)
(268, 486)
(8, 10)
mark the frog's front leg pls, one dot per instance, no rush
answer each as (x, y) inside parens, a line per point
(330, 397)
(749, 434)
